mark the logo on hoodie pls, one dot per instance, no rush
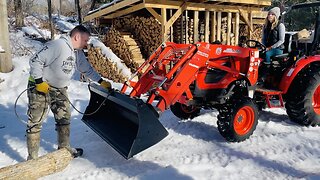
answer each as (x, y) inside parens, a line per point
(68, 65)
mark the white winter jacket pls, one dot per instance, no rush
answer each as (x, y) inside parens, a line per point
(56, 62)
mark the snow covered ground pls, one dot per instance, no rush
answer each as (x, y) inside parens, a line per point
(194, 149)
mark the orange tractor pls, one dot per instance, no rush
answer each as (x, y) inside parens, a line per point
(188, 77)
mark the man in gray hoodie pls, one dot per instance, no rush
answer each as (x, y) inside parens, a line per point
(51, 70)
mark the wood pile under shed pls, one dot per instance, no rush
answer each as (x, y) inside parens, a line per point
(146, 30)
(104, 66)
(118, 45)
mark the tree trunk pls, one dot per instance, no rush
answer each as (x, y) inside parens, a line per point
(18, 13)
(60, 8)
(5, 54)
(50, 18)
(36, 168)
(79, 11)
(93, 4)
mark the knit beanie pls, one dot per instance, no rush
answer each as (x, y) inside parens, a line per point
(275, 11)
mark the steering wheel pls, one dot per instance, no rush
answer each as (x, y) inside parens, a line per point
(256, 44)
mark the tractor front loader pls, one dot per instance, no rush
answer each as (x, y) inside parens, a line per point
(183, 78)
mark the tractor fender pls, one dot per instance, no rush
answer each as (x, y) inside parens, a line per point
(292, 72)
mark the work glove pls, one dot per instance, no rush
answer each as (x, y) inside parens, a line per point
(43, 87)
(106, 85)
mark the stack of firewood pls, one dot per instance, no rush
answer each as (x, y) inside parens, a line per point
(105, 66)
(146, 30)
(224, 29)
(118, 45)
(256, 34)
(178, 30)
(191, 30)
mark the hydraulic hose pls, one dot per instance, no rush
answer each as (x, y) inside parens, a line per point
(72, 105)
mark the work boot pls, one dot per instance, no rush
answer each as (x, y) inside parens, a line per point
(33, 143)
(63, 132)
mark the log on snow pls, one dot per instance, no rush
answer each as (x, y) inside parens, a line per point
(36, 168)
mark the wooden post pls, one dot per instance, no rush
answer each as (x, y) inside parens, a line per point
(219, 27)
(196, 27)
(213, 27)
(207, 30)
(5, 56)
(36, 168)
(163, 24)
(229, 28)
(181, 27)
(186, 28)
(236, 32)
(171, 28)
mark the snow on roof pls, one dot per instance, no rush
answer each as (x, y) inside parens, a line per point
(104, 6)
(111, 56)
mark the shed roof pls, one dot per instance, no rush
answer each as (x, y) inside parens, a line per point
(120, 8)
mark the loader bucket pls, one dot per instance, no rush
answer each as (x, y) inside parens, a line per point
(129, 125)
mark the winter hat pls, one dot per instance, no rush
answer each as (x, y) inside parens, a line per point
(275, 11)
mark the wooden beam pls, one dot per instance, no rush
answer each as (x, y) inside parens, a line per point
(196, 26)
(245, 17)
(154, 14)
(206, 29)
(213, 27)
(247, 2)
(110, 9)
(163, 24)
(236, 33)
(229, 27)
(177, 14)
(186, 28)
(173, 5)
(197, 6)
(124, 12)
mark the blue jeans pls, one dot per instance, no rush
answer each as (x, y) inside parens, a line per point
(272, 52)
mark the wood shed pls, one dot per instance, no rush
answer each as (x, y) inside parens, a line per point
(212, 13)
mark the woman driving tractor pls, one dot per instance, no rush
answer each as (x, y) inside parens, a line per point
(273, 34)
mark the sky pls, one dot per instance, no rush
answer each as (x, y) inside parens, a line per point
(194, 149)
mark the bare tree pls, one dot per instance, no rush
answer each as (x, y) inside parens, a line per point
(50, 18)
(5, 53)
(18, 13)
(93, 4)
(78, 11)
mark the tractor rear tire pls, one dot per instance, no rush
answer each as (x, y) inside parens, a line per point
(238, 119)
(183, 111)
(303, 98)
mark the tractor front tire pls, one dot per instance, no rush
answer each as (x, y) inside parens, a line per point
(303, 98)
(238, 119)
(183, 111)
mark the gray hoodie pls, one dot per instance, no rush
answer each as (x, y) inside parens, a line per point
(56, 62)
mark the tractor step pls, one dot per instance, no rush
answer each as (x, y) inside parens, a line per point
(268, 91)
(273, 97)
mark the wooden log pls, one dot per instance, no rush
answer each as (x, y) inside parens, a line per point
(33, 169)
